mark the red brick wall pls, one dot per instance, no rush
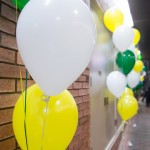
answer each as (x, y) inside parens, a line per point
(80, 91)
(10, 65)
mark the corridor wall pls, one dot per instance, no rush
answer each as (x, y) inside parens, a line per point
(104, 117)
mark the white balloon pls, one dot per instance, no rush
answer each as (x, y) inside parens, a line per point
(116, 83)
(123, 37)
(133, 79)
(56, 40)
(144, 73)
(132, 47)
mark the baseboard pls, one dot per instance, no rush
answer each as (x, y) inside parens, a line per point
(115, 141)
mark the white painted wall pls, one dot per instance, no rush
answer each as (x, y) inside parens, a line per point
(102, 116)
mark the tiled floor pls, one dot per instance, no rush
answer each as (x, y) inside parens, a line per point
(137, 133)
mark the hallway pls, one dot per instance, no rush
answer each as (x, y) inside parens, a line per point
(137, 132)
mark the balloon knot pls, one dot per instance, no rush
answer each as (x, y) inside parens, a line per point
(45, 98)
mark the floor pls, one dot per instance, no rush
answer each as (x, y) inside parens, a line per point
(137, 132)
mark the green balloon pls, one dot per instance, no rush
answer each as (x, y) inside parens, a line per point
(144, 68)
(134, 91)
(139, 86)
(20, 3)
(128, 86)
(125, 61)
(139, 57)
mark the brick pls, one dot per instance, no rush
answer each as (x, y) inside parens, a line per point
(6, 116)
(30, 82)
(7, 85)
(77, 85)
(8, 144)
(79, 131)
(86, 98)
(8, 12)
(7, 55)
(6, 131)
(86, 127)
(88, 91)
(80, 114)
(83, 120)
(84, 135)
(74, 93)
(30, 77)
(86, 112)
(85, 85)
(18, 147)
(19, 59)
(87, 78)
(78, 100)
(11, 71)
(9, 2)
(8, 100)
(7, 26)
(82, 92)
(70, 147)
(82, 78)
(8, 41)
(70, 87)
(86, 72)
(83, 106)
(83, 147)
(76, 143)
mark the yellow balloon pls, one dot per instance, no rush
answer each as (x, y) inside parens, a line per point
(127, 107)
(61, 117)
(142, 78)
(138, 66)
(113, 18)
(127, 91)
(137, 36)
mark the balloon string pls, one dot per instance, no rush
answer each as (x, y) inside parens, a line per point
(43, 132)
(25, 109)
(24, 104)
(21, 85)
(16, 10)
(24, 97)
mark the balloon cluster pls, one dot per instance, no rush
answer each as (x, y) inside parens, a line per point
(129, 62)
(56, 44)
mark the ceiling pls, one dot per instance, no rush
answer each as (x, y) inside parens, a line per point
(140, 10)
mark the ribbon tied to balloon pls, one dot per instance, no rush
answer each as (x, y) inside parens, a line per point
(55, 42)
